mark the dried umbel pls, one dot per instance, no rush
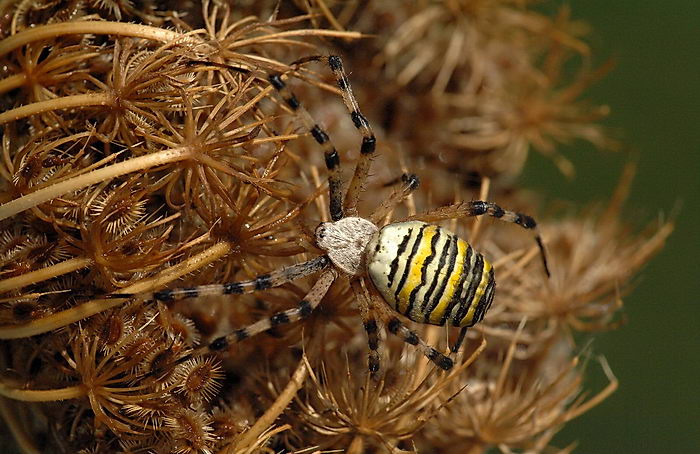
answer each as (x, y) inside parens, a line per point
(145, 149)
(486, 79)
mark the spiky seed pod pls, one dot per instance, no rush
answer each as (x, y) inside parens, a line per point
(185, 329)
(190, 431)
(119, 210)
(114, 328)
(198, 379)
(230, 421)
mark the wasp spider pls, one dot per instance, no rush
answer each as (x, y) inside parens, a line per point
(413, 268)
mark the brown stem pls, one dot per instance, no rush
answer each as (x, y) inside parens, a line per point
(44, 274)
(64, 102)
(43, 32)
(74, 184)
(41, 395)
(85, 310)
(248, 438)
(12, 82)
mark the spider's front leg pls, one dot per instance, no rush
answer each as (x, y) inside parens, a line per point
(261, 282)
(330, 154)
(369, 141)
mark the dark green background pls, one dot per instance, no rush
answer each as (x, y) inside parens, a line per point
(654, 93)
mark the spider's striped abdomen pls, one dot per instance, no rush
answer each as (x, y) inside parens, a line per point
(429, 274)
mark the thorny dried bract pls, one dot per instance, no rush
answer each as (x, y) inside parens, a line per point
(129, 164)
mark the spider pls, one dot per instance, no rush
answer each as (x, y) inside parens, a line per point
(413, 268)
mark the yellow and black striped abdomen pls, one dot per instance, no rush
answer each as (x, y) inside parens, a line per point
(429, 274)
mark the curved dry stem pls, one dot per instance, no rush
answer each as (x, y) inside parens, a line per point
(96, 306)
(43, 274)
(612, 386)
(293, 33)
(263, 423)
(84, 28)
(64, 102)
(74, 184)
(42, 395)
(12, 82)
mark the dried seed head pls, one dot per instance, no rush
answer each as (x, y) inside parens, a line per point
(184, 328)
(190, 431)
(229, 421)
(159, 364)
(198, 379)
(118, 210)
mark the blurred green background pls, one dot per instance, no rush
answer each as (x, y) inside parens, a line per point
(654, 93)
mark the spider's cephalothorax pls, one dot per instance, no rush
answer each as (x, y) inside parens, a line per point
(412, 268)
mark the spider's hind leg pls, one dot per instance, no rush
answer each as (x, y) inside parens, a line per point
(396, 327)
(479, 208)
(460, 339)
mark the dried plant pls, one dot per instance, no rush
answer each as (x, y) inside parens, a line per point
(144, 148)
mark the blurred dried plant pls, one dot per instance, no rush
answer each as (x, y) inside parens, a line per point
(129, 164)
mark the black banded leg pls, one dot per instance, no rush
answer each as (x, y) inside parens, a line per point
(394, 326)
(332, 158)
(262, 282)
(408, 183)
(303, 310)
(370, 324)
(460, 339)
(480, 207)
(397, 328)
(369, 141)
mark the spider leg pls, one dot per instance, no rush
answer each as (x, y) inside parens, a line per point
(262, 282)
(409, 183)
(369, 141)
(460, 339)
(332, 158)
(396, 327)
(303, 310)
(478, 208)
(369, 322)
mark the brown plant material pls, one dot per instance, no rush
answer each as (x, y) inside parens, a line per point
(144, 148)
